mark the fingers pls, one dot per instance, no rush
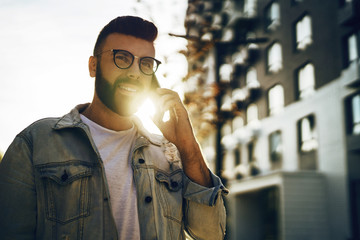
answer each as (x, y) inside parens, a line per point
(168, 99)
(167, 94)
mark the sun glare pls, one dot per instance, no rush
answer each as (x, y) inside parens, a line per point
(145, 113)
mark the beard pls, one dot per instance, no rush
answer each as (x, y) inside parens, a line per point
(119, 103)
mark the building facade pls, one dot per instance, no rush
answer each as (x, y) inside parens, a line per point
(273, 90)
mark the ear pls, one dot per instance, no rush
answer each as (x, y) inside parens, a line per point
(92, 66)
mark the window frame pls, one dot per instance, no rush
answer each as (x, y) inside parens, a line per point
(299, 80)
(313, 139)
(272, 22)
(356, 46)
(309, 34)
(274, 110)
(252, 106)
(351, 124)
(346, 48)
(276, 157)
(251, 78)
(271, 62)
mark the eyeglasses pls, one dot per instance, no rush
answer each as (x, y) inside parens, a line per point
(124, 59)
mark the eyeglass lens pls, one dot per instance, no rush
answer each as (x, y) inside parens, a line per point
(124, 59)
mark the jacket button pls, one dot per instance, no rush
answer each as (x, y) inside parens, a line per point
(141, 161)
(148, 199)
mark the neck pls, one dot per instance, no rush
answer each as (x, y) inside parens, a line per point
(100, 114)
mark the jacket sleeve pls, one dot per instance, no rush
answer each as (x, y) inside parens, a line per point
(204, 210)
(17, 192)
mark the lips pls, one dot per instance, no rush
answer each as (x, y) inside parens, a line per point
(128, 89)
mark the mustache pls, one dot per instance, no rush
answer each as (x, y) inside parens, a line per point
(121, 80)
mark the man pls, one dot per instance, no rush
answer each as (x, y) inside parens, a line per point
(96, 173)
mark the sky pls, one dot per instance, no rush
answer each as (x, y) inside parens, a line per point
(45, 46)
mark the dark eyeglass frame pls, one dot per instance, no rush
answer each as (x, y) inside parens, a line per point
(115, 51)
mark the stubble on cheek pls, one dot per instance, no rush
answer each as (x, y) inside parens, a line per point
(110, 96)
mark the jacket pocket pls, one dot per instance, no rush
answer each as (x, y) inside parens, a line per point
(173, 181)
(66, 191)
(169, 190)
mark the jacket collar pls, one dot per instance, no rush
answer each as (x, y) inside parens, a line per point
(72, 119)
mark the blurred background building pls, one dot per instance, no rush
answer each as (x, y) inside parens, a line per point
(273, 90)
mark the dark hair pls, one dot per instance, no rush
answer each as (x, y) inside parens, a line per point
(129, 25)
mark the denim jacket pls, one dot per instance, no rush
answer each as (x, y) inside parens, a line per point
(53, 186)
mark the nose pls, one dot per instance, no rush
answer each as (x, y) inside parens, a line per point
(134, 71)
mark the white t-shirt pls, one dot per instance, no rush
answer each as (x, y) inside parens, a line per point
(115, 151)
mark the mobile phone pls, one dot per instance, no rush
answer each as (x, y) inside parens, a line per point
(154, 83)
(153, 86)
(153, 95)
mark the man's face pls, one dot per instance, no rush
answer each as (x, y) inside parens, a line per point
(122, 90)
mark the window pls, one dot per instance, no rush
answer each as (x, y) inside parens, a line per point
(252, 113)
(308, 140)
(228, 141)
(226, 103)
(303, 33)
(237, 123)
(353, 48)
(308, 143)
(239, 57)
(239, 133)
(250, 8)
(228, 35)
(226, 71)
(275, 144)
(251, 78)
(275, 63)
(306, 81)
(355, 108)
(273, 16)
(352, 114)
(276, 99)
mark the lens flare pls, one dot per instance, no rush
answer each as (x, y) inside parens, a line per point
(145, 114)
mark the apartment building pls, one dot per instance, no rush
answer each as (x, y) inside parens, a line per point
(273, 90)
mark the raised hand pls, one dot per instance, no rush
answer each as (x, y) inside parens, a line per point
(179, 131)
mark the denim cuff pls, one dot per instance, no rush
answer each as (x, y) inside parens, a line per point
(204, 195)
